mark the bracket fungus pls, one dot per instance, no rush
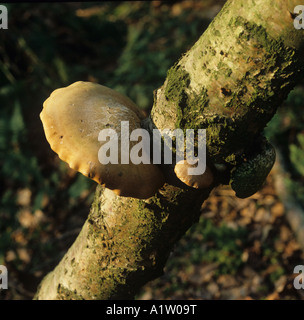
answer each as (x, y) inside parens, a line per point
(200, 181)
(72, 119)
(249, 176)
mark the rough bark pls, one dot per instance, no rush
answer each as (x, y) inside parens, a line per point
(231, 83)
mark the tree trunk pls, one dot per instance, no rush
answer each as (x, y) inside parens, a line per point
(230, 83)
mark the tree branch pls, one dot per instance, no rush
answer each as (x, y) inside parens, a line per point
(231, 83)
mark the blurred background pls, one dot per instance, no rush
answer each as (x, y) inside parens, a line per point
(240, 249)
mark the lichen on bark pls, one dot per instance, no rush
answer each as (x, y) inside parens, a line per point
(234, 78)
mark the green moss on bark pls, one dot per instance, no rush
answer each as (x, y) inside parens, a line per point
(252, 100)
(66, 294)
